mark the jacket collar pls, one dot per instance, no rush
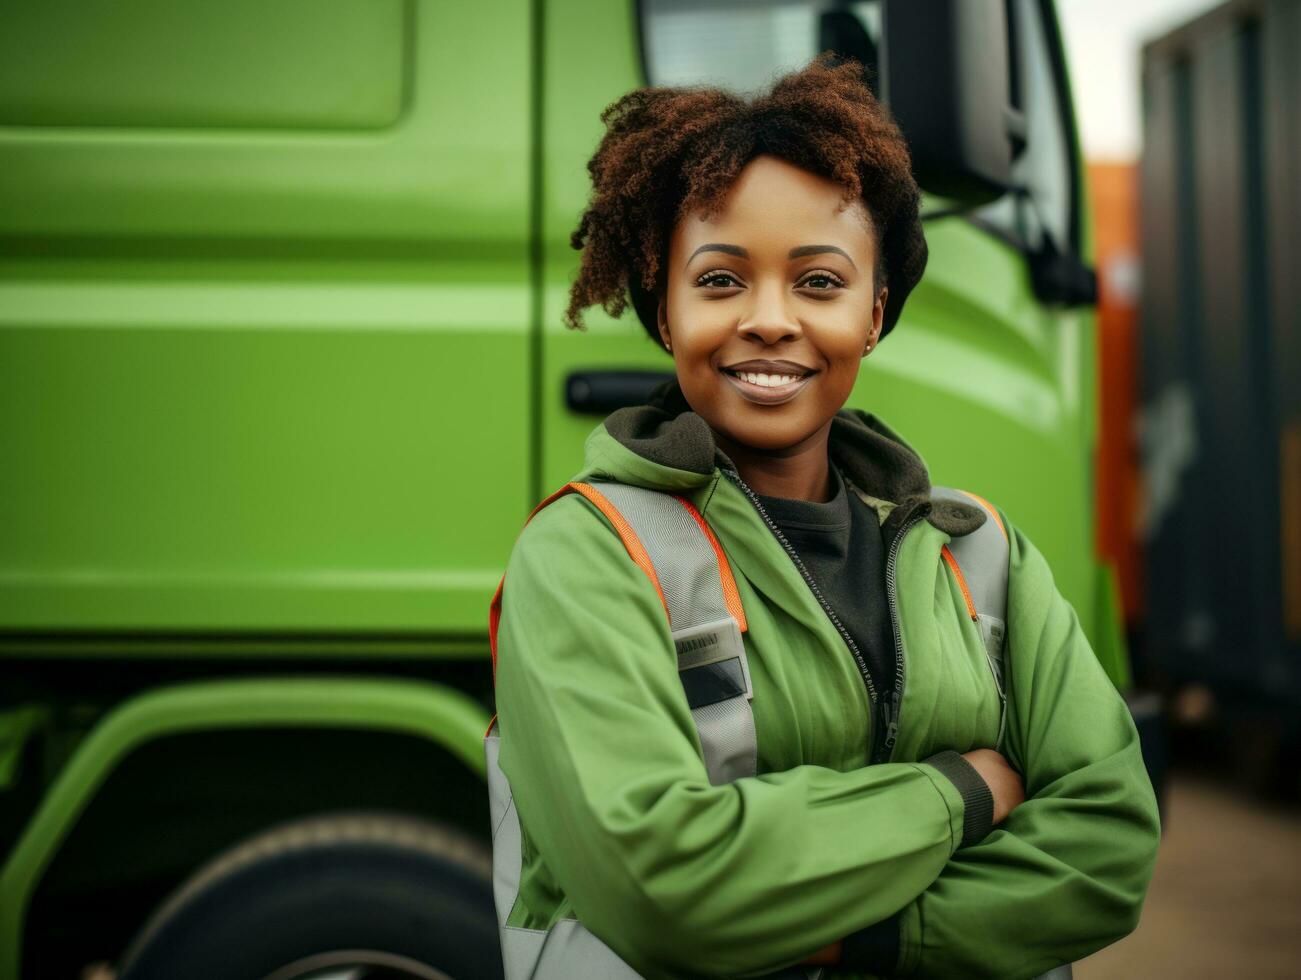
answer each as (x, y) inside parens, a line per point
(664, 445)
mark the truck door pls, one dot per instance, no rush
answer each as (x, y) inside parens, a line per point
(264, 309)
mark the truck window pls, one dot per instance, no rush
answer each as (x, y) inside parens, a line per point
(1043, 168)
(742, 46)
(738, 44)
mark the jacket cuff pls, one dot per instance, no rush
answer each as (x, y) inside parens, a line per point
(874, 949)
(977, 800)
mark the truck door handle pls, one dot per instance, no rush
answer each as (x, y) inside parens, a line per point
(601, 392)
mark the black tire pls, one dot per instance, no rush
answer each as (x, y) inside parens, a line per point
(396, 896)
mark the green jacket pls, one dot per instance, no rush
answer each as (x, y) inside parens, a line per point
(622, 830)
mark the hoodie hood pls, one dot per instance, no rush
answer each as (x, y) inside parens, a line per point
(664, 445)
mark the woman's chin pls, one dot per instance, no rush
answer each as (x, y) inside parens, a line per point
(770, 435)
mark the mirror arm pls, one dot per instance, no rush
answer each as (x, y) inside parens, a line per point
(1062, 278)
(963, 207)
(1016, 129)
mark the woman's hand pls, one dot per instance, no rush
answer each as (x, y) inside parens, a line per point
(1003, 781)
(827, 956)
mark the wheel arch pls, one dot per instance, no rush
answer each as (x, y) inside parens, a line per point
(415, 718)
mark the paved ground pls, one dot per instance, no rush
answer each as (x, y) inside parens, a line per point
(1225, 901)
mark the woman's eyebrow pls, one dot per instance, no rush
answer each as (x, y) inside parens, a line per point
(803, 250)
(719, 247)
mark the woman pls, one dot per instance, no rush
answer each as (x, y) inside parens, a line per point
(768, 246)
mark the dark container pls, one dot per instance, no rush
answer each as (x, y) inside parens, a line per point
(1221, 358)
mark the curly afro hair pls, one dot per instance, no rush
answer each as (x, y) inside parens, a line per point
(668, 152)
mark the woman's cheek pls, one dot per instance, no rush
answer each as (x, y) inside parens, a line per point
(844, 384)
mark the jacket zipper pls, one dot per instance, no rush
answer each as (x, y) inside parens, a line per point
(872, 697)
(900, 671)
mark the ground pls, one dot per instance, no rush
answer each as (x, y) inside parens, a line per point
(1225, 899)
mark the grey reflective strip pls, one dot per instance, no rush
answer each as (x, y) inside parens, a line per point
(983, 556)
(704, 632)
(716, 679)
(985, 552)
(520, 951)
(724, 723)
(684, 560)
(568, 949)
(1062, 972)
(565, 950)
(727, 738)
(507, 856)
(571, 950)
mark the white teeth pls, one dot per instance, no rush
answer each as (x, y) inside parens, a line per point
(767, 380)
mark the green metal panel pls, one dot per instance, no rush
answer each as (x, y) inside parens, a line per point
(446, 717)
(591, 58)
(235, 363)
(150, 63)
(987, 385)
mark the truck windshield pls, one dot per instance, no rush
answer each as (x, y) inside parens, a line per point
(743, 45)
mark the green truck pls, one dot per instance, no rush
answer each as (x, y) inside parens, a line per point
(282, 371)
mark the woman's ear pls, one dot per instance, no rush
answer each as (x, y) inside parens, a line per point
(662, 323)
(878, 320)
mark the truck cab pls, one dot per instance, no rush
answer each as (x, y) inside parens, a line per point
(283, 370)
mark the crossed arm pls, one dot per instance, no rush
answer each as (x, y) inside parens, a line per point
(1066, 873)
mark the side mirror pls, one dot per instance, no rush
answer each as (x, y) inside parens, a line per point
(946, 76)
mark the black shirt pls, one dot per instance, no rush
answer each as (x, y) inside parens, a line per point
(840, 544)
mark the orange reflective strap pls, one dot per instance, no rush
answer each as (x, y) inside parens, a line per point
(494, 608)
(988, 507)
(630, 541)
(962, 582)
(494, 619)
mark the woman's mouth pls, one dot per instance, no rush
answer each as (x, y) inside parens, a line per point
(764, 388)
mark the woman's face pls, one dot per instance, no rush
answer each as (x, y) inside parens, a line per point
(770, 306)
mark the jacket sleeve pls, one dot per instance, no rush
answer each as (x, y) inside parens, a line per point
(679, 877)
(1066, 873)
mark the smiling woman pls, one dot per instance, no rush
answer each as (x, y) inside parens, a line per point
(764, 693)
(787, 223)
(777, 269)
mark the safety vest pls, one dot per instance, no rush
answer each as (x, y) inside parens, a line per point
(671, 542)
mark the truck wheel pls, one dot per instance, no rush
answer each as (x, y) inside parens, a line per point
(346, 896)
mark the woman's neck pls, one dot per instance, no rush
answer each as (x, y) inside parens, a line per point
(800, 472)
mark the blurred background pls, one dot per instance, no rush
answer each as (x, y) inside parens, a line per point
(282, 372)
(1191, 157)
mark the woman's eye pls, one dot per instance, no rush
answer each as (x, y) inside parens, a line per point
(822, 281)
(718, 280)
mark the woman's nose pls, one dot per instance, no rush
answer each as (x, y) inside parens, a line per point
(768, 318)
